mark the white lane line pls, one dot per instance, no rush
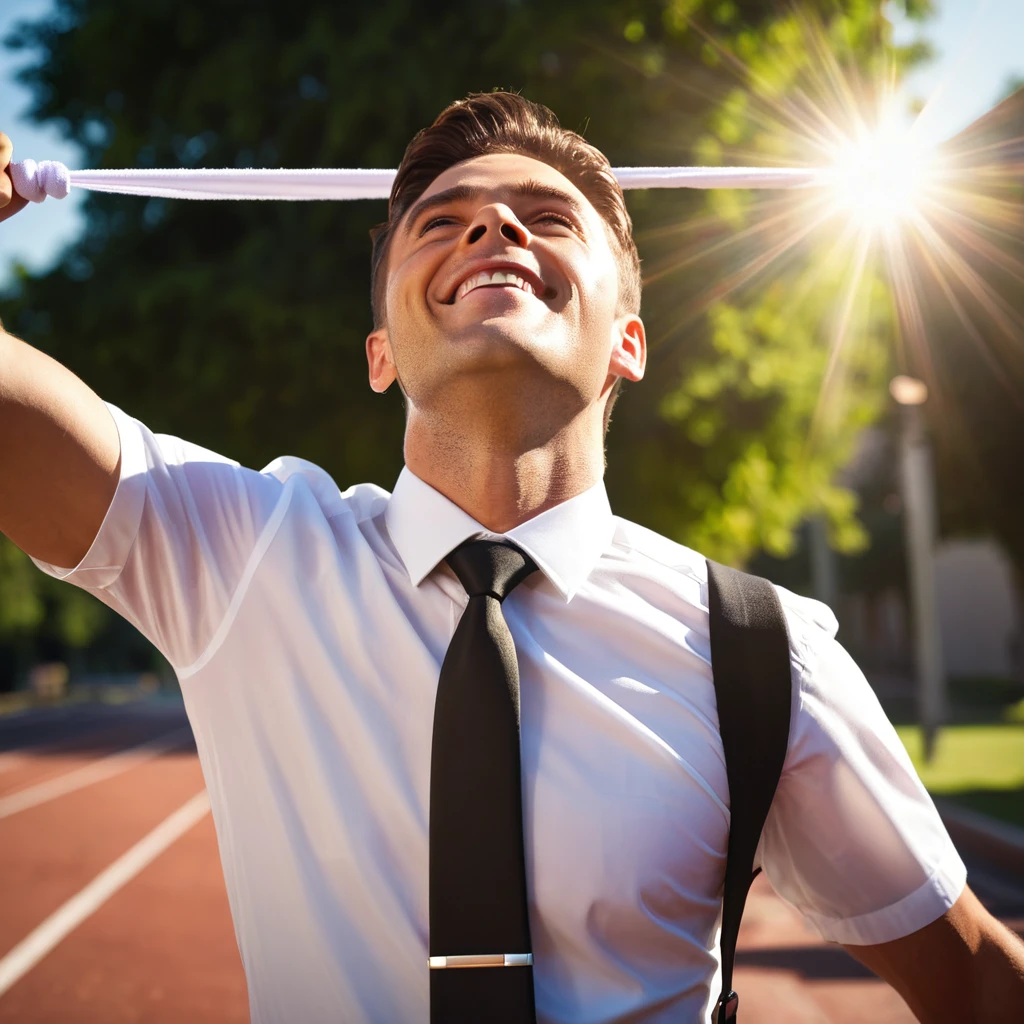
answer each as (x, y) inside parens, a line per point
(27, 953)
(88, 774)
(9, 761)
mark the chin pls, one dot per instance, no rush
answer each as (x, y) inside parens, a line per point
(499, 337)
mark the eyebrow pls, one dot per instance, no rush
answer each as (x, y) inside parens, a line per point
(530, 189)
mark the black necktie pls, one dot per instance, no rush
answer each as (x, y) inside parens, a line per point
(478, 907)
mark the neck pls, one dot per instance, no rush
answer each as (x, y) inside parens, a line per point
(503, 471)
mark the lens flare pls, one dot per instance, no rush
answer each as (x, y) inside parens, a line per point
(900, 221)
(881, 179)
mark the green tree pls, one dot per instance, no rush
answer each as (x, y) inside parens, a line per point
(35, 608)
(241, 325)
(765, 391)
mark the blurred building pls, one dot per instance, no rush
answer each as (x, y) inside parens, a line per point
(981, 605)
(979, 608)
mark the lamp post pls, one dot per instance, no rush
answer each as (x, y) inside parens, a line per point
(824, 581)
(919, 530)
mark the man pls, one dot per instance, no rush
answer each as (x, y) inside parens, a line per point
(309, 627)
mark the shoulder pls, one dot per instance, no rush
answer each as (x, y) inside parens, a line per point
(642, 546)
(807, 619)
(642, 559)
(360, 501)
(810, 622)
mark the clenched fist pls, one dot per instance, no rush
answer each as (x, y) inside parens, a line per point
(10, 201)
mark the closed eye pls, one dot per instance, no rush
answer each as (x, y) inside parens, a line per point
(548, 216)
(558, 218)
(436, 222)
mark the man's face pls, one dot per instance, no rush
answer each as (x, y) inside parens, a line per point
(502, 275)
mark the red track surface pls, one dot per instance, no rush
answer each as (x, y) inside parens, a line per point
(162, 949)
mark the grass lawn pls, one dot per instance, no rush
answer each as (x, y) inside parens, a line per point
(979, 766)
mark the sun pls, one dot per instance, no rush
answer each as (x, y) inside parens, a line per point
(881, 178)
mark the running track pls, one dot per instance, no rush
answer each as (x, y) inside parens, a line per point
(112, 905)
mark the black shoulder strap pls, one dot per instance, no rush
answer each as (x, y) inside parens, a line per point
(751, 666)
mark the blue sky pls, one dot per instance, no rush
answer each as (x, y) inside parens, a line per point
(36, 235)
(978, 50)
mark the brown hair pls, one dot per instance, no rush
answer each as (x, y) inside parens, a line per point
(505, 122)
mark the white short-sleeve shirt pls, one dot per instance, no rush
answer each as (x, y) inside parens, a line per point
(307, 627)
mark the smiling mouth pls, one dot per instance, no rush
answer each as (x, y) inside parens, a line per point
(491, 279)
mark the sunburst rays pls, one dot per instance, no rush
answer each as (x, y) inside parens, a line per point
(944, 223)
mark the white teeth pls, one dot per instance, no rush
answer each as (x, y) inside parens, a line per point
(485, 277)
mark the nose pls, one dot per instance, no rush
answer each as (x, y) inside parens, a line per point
(494, 220)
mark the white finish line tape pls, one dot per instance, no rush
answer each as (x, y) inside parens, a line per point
(36, 181)
(27, 953)
(88, 774)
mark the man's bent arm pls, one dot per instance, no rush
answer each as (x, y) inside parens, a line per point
(59, 456)
(964, 968)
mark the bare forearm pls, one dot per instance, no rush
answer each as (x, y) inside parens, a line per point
(59, 453)
(998, 977)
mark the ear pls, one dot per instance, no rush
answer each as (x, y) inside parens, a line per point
(380, 360)
(629, 349)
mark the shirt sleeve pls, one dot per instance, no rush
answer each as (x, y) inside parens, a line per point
(174, 545)
(853, 840)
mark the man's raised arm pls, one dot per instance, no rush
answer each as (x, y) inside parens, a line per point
(59, 456)
(59, 448)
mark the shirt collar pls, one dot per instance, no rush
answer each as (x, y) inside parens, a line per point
(565, 541)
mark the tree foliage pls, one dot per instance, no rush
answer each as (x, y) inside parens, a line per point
(766, 387)
(241, 325)
(38, 613)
